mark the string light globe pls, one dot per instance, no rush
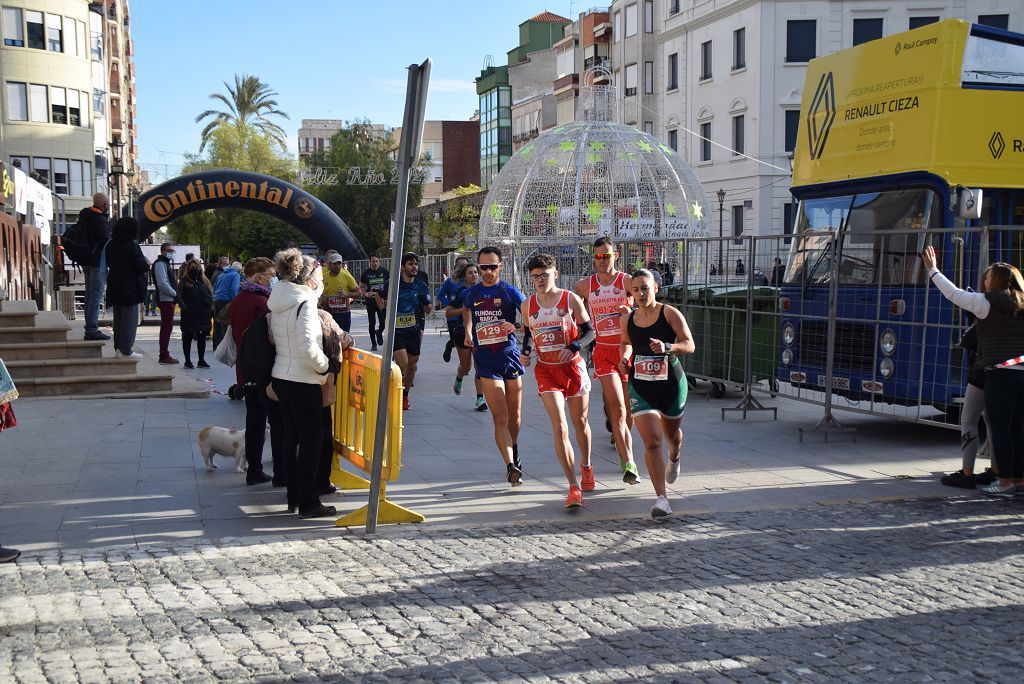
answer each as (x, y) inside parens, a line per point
(591, 178)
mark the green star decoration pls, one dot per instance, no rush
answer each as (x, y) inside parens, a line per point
(696, 211)
(644, 146)
(595, 212)
(552, 209)
(593, 158)
(567, 145)
(551, 162)
(665, 148)
(495, 211)
(597, 146)
(627, 156)
(670, 209)
(526, 150)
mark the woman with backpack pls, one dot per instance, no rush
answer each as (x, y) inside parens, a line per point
(195, 296)
(299, 371)
(127, 279)
(249, 305)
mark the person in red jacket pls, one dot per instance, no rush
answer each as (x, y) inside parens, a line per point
(246, 307)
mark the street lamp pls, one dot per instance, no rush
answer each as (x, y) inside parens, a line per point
(116, 169)
(721, 203)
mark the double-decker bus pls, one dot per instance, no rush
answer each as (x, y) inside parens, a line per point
(908, 140)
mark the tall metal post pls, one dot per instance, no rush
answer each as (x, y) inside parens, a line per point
(721, 211)
(408, 156)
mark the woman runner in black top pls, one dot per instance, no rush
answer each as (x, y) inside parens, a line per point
(653, 337)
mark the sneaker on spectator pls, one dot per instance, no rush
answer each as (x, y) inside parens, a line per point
(959, 479)
(986, 478)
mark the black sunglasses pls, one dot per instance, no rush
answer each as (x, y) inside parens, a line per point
(488, 267)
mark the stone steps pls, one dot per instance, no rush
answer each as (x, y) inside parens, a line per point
(68, 349)
(94, 384)
(56, 368)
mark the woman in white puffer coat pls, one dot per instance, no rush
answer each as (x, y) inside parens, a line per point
(299, 371)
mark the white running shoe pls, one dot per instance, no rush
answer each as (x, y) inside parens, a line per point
(661, 508)
(672, 469)
(130, 355)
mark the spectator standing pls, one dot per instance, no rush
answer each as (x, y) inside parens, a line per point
(189, 256)
(778, 272)
(217, 270)
(95, 220)
(167, 295)
(225, 287)
(339, 288)
(336, 341)
(196, 300)
(299, 372)
(740, 268)
(127, 280)
(655, 273)
(374, 279)
(249, 305)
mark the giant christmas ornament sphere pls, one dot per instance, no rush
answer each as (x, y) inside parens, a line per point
(590, 178)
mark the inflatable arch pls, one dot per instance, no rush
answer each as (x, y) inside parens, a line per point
(224, 188)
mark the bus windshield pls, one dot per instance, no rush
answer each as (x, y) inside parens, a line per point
(881, 237)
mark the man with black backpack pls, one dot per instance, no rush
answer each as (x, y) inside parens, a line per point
(92, 232)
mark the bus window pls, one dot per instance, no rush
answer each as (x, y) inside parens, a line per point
(993, 63)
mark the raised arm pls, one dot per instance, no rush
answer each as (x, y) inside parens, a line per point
(975, 302)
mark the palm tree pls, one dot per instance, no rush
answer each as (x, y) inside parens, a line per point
(250, 104)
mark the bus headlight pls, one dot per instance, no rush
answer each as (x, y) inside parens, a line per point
(788, 333)
(886, 368)
(887, 342)
(787, 356)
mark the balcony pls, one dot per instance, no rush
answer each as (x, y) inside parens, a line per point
(112, 11)
(566, 83)
(603, 29)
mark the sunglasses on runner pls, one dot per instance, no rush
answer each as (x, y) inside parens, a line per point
(488, 267)
(602, 257)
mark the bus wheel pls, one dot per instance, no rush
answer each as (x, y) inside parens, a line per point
(717, 390)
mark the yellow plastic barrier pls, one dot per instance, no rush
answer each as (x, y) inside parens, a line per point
(354, 419)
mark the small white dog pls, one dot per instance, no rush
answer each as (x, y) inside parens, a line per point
(224, 441)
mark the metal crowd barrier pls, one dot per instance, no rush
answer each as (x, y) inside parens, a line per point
(355, 422)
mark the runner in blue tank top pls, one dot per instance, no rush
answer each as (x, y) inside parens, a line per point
(490, 321)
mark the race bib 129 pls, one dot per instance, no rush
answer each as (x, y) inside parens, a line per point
(490, 333)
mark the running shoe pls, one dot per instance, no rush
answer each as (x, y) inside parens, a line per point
(514, 475)
(587, 478)
(575, 498)
(481, 404)
(995, 489)
(672, 469)
(986, 478)
(457, 386)
(405, 403)
(515, 456)
(660, 509)
(447, 355)
(630, 475)
(960, 479)
(611, 440)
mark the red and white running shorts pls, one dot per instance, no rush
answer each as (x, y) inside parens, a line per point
(570, 379)
(606, 359)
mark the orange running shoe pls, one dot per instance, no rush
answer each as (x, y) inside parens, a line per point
(587, 478)
(575, 498)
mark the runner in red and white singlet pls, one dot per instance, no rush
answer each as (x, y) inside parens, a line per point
(557, 326)
(607, 296)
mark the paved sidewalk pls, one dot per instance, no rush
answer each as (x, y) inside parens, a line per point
(128, 472)
(918, 591)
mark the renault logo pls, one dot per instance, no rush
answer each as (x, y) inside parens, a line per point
(821, 114)
(996, 145)
(899, 46)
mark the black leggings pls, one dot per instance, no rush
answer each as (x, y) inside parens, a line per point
(260, 410)
(1004, 409)
(373, 312)
(186, 347)
(302, 415)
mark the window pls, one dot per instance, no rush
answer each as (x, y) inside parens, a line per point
(60, 176)
(564, 63)
(14, 30)
(20, 163)
(737, 224)
(97, 102)
(673, 71)
(787, 222)
(801, 40)
(55, 33)
(737, 135)
(86, 179)
(83, 50)
(58, 106)
(648, 16)
(648, 77)
(74, 108)
(34, 20)
(705, 143)
(84, 100)
(617, 27)
(673, 7)
(76, 188)
(630, 79)
(649, 127)
(792, 127)
(918, 22)
(17, 102)
(40, 103)
(866, 29)
(673, 139)
(1000, 21)
(631, 20)
(739, 48)
(705, 61)
(41, 166)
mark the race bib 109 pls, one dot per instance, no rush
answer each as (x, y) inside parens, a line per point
(652, 368)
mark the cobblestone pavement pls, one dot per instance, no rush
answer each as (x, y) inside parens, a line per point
(903, 591)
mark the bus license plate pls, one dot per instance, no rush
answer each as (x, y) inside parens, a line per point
(837, 383)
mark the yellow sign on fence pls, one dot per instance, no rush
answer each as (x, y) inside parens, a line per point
(355, 424)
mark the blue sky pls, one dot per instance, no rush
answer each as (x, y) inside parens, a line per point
(333, 59)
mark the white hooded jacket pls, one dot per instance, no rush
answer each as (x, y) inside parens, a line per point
(297, 334)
